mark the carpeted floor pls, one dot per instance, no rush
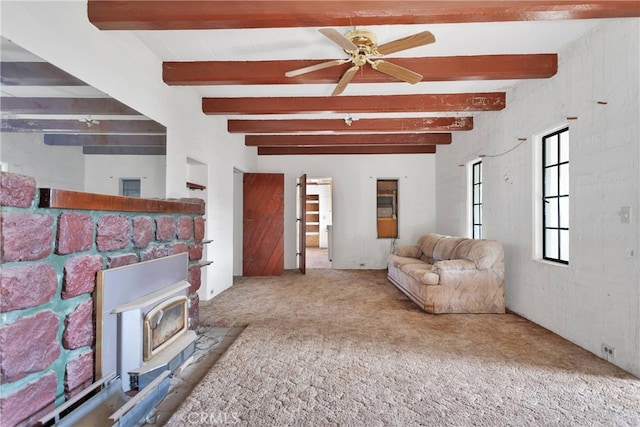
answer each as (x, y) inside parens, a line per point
(346, 348)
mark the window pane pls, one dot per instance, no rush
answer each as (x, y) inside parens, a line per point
(563, 205)
(476, 194)
(477, 232)
(551, 150)
(564, 146)
(551, 244)
(564, 245)
(130, 187)
(476, 215)
(564, 178)
(551, 212)
(551, 181)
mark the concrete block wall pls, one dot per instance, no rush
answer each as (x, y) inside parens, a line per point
(50, 258)
(594, 300)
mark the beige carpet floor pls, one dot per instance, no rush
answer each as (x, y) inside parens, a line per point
(346, 348)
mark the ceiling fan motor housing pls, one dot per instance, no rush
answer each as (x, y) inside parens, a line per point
(366, 43)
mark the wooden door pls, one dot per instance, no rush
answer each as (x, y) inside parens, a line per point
(263, 219)
(302, 224)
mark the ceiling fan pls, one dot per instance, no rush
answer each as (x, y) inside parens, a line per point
(362, 47)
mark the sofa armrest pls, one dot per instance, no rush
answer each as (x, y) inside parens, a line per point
(409, 251)
(453, 265)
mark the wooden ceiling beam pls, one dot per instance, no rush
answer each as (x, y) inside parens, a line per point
(174, 15)
(76, 126)
(353, 139)
(410, 125)
(132, 151)
(492, 101)
(61, 139)
(84, 106)
(445, 68)
(36, 74)
(348, 149)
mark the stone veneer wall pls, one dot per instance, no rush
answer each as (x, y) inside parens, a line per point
(50, 258)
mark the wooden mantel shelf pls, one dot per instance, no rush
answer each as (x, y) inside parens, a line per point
(65, 199)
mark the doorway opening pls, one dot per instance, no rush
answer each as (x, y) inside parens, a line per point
(319, 223)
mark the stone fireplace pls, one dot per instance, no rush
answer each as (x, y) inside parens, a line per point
(54, 243)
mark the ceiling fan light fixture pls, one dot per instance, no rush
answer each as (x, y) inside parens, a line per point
(348, 120)
(361, 45)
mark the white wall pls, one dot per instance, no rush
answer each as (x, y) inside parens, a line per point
(355, 242)
(104, 172)
(119, 64)
(596, 298)
(52, 167)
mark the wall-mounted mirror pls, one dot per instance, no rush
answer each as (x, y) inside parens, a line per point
(69, 135)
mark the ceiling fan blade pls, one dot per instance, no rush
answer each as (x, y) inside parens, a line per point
(396, 71)
(336, 37)
(344, 80)
(419, 39)
(316, 67)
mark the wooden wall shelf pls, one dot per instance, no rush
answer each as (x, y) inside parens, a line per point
(194, 186)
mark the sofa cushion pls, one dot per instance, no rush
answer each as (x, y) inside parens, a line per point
(426, 243)
(399, 261)
(445, 246)
(409, 251)
(484, 253)
(421, 272)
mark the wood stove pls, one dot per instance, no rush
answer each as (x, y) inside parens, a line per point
(143, 329)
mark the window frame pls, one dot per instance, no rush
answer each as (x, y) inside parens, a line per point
(476, 182)
(555, 179)
(125, 181)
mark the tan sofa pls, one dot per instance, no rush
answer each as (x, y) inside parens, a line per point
(444, 274)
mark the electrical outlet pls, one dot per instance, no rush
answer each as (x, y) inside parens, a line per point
(609, 351)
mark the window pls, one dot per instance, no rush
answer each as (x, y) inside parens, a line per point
(387, 208)
(555, 188)
(130, 187)
(476, 200)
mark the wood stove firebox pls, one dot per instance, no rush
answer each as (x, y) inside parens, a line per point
(163, 325)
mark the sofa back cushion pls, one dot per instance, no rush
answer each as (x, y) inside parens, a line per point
(484, 253)
(427, 243)
(444, 248)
